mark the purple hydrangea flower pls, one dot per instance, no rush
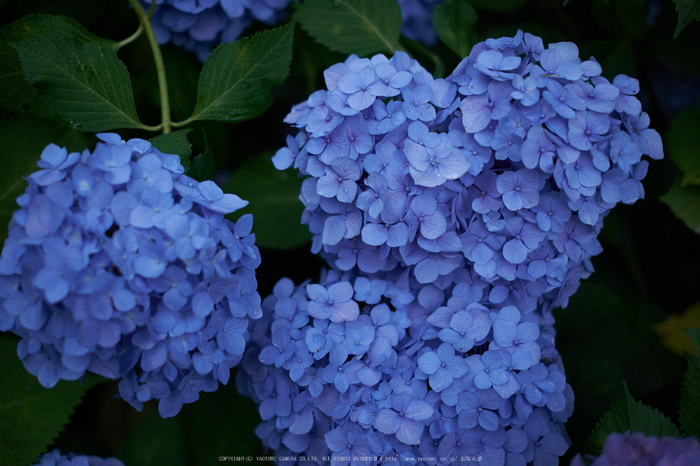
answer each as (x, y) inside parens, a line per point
(636, 448)
(55, 458)
(387, 381)
(119, 264)
(199, 26)
(471, 210)
(501, 169)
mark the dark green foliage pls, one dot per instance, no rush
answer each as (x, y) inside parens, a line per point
(454, 23)
(362, 27)
(237, 78)
(175, 143)
(605, 338)
(684, 201)
(83, 84)
(274, 203)
(218, 424)
(688, 11)
(183, 74)
(221, 423)
(630, 415)
(684, 147)
(154, 442)
(18, 94)
(203, 167)
(31, 416)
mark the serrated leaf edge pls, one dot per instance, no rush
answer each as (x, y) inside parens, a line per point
(290, 27)
(132, 119)
(624, 404)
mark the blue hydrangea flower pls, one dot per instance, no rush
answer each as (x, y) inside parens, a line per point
(119, 264)
(636, 448)
(200, 25)
(55, 458)
(506, 168)
(384, 383)
(469, 210)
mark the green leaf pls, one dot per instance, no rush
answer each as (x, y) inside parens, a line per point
(237, 79)
(203, 167)
(685, 203)
(21, 145)
(52, 25)
(274, 203)
(18, 95)
(31, 416)
(688, 11)
(175, 143)
(634, 416)
(454, 23)
(363, 27)
(683, 145)
(221, 423)
(84, 84)
(154, 442)
(690, 392)
(619, 343)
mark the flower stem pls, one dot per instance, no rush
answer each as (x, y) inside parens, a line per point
(129, 39)
(145, 20)
(178, 124)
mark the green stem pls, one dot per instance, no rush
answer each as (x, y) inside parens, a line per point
(145, 20)
(129, 39)
(150, 128)
(178, 124)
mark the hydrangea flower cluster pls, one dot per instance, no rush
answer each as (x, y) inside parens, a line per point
(505, 169)
(635, 449)
(119, 264)
(200, 25)
(368, 372)
(455, 214)
(55, 458)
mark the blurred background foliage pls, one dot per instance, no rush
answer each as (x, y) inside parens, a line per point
(622, 326)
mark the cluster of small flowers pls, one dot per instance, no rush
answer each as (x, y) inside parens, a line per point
(417, 20)
(506, 168)
(55, 458)
(635, 449)
(199, 26)
(370, 372)
(455, 213)
(119, 264)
